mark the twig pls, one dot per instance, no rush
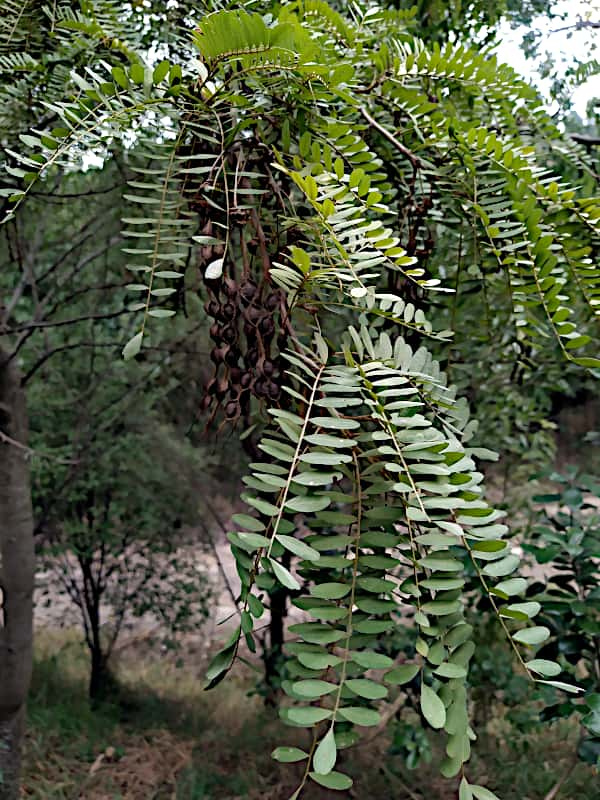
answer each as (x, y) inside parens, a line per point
(30, 452)
(391, 775)
(390, 711)
(414, 160)
(553, 793)
(580, 25)
(216, 555)
(60, 323)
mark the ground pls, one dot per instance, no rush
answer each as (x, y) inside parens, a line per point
(164, 738)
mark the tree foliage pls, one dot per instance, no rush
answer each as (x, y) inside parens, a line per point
(341, 184)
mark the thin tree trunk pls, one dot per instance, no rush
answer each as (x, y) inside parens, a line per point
(100, 682)
(278, 607)
(272, 658)
(100, 678)
(17, 571)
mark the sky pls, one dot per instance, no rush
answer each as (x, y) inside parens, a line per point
(563, 45)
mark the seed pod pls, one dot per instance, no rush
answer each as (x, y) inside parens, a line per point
(252, 314)
(232, 357)
(251, 356)
(272, 301)
(231, 410)
(248, 291)
(228, 312)
(219, 354)
(213, 308)
(273, 390)
(230, 287)
(229, 334)
(215, 330)
(266, 326)
(245, 380)
(222, 387)
(205, 403)
(268, 368)
(260, 388)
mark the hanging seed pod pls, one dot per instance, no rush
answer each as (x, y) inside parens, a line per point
(228, 312)
(232, 358)
(219, 354)
(212, 308)
(231, 410)
(266, 326)
(248, 291)
(261, 388)
(230, 287)
(205, 403)
(268, 368)
(273, 390)
(229, 334)
(245, 380)
(215, 331)
(252, 314)
(272, 301)
(222, 387)
(251, 356)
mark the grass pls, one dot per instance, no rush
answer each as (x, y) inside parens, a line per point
(164, 738)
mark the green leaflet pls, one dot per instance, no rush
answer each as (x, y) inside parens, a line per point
(532, 636)
(481, 793)
(547, 669)
(307, 504)
(451, 671)
(330, 591)
(325, 755)
(371, 660)
(333, 780)
(367, 688)
(283, 575)
(505, 566)
(432, 707)
(366, 717)
(318, 661)
(298, 547)
(288, 755)
(306, 715)
(311, 689)
(402, 674)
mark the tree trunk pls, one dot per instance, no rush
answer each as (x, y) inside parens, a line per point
(17, 572)
(101, 683)
(272, 657)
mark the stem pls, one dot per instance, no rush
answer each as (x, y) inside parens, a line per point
(294, 463)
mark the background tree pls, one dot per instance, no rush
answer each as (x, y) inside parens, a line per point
(107, 532)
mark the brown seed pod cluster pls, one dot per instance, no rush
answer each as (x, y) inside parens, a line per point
(249, 333)
(249, 319)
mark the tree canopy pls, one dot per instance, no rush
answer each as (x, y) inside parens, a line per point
(364, 204)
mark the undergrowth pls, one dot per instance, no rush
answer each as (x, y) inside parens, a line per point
(163, 738)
